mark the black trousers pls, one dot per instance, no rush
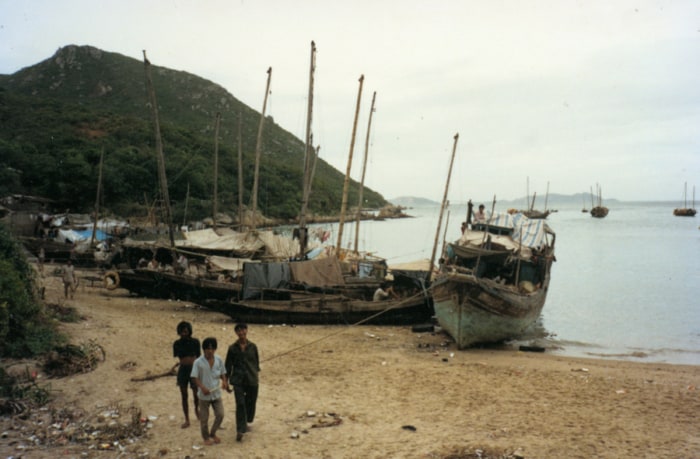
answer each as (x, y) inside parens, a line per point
(246, 398)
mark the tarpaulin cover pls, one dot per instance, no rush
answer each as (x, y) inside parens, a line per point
(324, 272)
(217, 264)
(531, 232)
(258, 276)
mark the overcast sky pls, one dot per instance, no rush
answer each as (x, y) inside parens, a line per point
(570, 93)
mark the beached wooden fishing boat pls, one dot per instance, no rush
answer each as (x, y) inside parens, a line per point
(163, 284)
(314, 308)
(686, 211)
(494, 281)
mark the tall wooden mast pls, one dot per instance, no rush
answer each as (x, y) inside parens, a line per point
(258, 149)
(240, 170)
(215, 209)
(444, 204)
(308, 156)
(159, 149)
(344, 203)
(97, 199)
(358, 217)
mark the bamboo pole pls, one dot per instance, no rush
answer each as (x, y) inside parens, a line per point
(258, 149)
(159, 149)
(444, 204)
(344, 202)
(358, 217)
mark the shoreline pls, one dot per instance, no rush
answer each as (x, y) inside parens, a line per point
(376, 380)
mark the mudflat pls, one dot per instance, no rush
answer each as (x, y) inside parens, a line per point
(362, 391)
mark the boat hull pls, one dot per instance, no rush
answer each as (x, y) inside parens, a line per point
(328, 310)
(159, 284)
(474, 310)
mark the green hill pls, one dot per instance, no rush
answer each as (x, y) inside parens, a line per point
(58, 115)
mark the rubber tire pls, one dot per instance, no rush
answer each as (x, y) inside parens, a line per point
(111, 280)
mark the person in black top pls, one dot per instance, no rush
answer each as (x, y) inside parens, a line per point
(186, 349)
(242, 367)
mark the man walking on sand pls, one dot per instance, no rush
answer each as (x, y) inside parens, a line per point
(69, 280)
(243, 366)
(186, 350)
(209, 375)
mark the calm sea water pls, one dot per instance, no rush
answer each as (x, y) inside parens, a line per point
(623, 287)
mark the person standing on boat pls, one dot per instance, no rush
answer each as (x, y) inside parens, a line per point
(243, 366)
(186, 350)
(480, 215)
(69, 280)
(209, 374)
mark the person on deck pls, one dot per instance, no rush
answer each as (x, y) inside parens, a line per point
(480, 215)
(384, 292)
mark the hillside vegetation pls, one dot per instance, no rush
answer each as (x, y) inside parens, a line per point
(56, 117)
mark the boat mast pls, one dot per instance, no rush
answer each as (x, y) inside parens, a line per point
(358, 217)
(97, 199)
(159, 149)
(215, 209)
(308, 153)
(187, 201)
(344, 202)
(258, 148)
(546, 197)
(444, 204)
(240, 171)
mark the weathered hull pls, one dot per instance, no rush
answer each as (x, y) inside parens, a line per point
(599, 212)
(324, 309)
(475, 310)
(158, 284)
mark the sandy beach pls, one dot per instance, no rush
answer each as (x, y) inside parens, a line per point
(365, 391)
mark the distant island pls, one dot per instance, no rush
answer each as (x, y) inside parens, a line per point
(412, 201)
(554, 201)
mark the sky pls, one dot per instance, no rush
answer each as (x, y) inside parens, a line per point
(555, 95)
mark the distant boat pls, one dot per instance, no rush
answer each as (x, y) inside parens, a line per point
(531, 212)
(598, 210)
(686, 211)
(494, 282)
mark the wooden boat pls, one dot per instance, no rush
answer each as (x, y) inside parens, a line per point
(163, 284)
(686, 211)
(494, 282)
(314, 308)
(598, 210)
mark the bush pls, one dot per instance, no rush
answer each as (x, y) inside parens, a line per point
(25, 328)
